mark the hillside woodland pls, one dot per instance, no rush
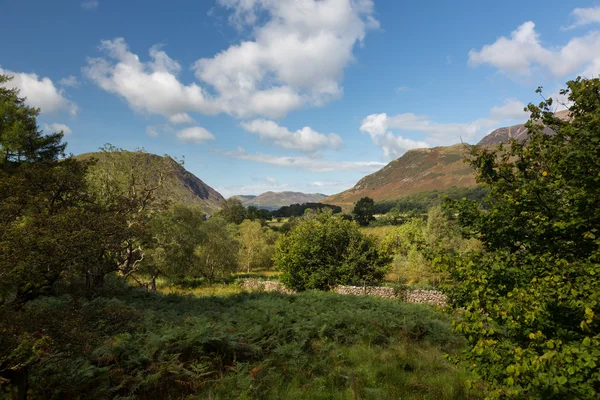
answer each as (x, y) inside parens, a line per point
(113, 286)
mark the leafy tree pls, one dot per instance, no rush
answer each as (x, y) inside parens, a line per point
(363, 211)
(325, 250)
(232, 211)
(532, 299)
(216, 255)
(256, 245)
(126, 183)
(176, 233)
(20, 139)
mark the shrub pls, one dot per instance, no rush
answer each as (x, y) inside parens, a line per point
(324, 250)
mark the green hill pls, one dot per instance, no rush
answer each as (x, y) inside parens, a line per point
(181, 186)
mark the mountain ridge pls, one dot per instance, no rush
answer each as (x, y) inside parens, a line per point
(275, 200)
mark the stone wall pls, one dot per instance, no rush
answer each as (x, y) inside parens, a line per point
(422, 296)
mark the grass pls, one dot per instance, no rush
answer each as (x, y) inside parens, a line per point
(378, 231)
(219, 342)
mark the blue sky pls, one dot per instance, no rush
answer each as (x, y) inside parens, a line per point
(307, 95)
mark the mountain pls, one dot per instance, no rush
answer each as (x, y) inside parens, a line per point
(243, 197)
(179, 187)
(421, 170)
(519, 132)
(416, 171)
(276, 200)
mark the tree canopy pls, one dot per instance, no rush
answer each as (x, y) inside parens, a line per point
(532, 298)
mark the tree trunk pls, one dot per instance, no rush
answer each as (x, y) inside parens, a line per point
(153, 284)
(20, 386)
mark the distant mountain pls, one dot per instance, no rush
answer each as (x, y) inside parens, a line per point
(243, 197)
(421, 170)
(276, 200)
(519, 132)
(181, 187)
(416, 171)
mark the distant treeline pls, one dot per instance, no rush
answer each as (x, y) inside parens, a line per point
(422, 202)
(297, 210)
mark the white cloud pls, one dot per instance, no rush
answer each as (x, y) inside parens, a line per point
(295, 58)
(181, 118)
(56, 127)
(379, 127)
(305, 163)
(147, 87)
(402, 89)
(40, 92)
(194, 134)
(271, 180)
(305, 139)
(70, 81)
(89, 4)
(523, 53)
(152, 131)
(585, 16)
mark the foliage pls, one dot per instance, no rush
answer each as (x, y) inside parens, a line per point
(257, 244)
(363, 211)
(20, 140)
(532, 299)
(298, 210)
(324, 250)
(232, 211)
(137, 344)
(216, 255)
(253, 213)
(423, 201)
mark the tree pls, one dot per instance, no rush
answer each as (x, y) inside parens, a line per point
(20, 139)
(325, 250)
(256, 245)
(232, 211)
(216, 255)
(532, 299)
(176, 233)
(127, 183)
(363, 211)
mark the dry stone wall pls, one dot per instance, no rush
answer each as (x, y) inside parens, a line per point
(422, 296)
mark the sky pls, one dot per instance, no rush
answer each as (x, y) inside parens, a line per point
(301, 95)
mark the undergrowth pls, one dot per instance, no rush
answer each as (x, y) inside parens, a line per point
(310, 345)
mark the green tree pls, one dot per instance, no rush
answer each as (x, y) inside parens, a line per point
(232, 211)
(217, 254)
(325, 250)
(20, 139)
(256, 245)
(363, 211)
(176, 233)
(532, 300)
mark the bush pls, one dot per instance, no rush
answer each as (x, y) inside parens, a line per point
(324, 250)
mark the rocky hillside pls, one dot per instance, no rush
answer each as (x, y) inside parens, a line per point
(276, 200)
(181, 186)
(519, 132)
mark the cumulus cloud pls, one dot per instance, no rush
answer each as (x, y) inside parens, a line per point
(90, 4)
(271, 180)
(379, 127)
(585, 16)
(295, 58)
(305, 163)
(70, 81)
(56, 127)
(523, 53)
(151, 87)
(305, 139)
(40, 92)
(181, 118)
(194, 134)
